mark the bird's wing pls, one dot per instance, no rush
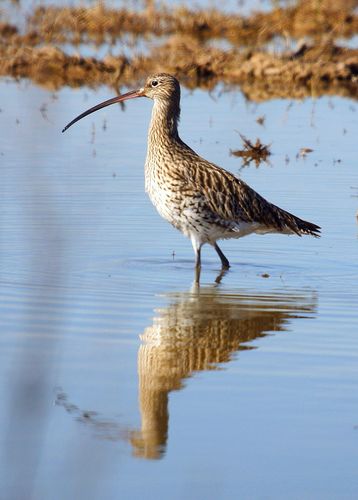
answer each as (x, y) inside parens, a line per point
(227, 196)
(232, 200)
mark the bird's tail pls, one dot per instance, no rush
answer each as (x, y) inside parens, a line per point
(297, 225)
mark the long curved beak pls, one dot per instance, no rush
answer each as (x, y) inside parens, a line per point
(120, 98)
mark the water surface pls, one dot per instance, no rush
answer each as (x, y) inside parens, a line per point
(119, 378)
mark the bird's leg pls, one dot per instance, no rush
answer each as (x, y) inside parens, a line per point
(197, 249)
(197, 264)
(224, 262)
(198, 257)
(197, 275)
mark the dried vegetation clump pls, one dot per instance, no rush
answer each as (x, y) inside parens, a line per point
(181, 43)
(101, 24)
(256, 152)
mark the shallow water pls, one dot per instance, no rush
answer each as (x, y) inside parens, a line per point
(118, 377)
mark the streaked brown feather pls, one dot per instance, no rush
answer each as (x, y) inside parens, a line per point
(230, 198)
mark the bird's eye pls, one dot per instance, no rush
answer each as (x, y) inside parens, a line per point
(154, 83)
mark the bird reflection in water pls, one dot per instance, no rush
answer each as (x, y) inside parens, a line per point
(197, 331)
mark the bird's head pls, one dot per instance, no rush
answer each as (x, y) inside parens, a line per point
(160, 87)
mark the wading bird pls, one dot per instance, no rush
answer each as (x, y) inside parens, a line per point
(205, 202)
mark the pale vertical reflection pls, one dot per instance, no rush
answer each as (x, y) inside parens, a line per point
(197, 331)
(30, 383)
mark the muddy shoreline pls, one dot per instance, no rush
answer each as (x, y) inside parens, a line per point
(100, 24)
(315, 66)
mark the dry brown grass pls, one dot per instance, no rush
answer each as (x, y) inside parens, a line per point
(314, 18)
(318, 67)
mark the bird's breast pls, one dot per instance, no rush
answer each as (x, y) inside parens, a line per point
(164, 191)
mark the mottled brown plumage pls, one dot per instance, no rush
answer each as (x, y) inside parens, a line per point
(202, 200)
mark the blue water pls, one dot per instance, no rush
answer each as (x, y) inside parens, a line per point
(118, 377)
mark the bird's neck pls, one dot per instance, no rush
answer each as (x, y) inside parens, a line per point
(163, 128)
